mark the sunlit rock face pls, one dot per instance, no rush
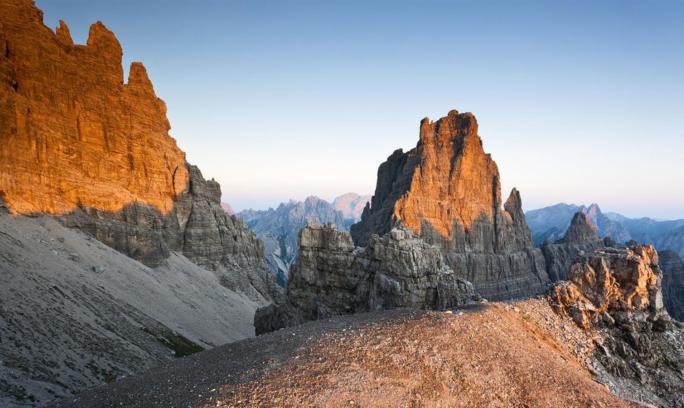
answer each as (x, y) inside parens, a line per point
(79, 144)
(71, 132)
(617, 294)
(447, 190)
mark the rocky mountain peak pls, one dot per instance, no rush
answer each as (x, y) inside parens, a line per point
(447, 190)
(63, 33)
(581, 231)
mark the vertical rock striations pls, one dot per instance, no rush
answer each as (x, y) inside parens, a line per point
(673, 283)
(73, 134)
(447, 190)
(78, 143)
(279, 229)
(333, 277)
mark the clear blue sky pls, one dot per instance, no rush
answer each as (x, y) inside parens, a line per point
(578, 101)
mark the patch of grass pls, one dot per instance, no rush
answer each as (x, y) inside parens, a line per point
(180, 345)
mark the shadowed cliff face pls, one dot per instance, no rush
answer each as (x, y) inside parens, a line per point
(447, 190)
(73, 134)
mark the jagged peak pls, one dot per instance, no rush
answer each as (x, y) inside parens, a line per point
(513, 204)
(63, 33)
(138, 78)
(453, 125)
(99, 36)
(581, 230)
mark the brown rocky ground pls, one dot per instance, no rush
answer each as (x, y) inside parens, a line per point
(496, 355)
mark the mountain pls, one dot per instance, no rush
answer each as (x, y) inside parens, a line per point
(227, 208)
(447, 190)
(351, 205)
(551, 222)
(602, 342)
(86, 160)
(580, 238)
(279, 228)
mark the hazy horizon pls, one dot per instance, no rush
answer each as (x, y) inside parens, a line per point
(577, 102)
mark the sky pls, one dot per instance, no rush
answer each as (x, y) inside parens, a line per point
(577, 101)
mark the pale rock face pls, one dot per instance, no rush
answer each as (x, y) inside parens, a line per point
(333, 277)
(625, 280)
(616, 294)
(447, 190)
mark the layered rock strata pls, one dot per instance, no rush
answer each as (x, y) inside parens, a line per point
(333, 277)
(78, 143)
(639, 350)
(447, 190)
(73, 133)
(673, 283)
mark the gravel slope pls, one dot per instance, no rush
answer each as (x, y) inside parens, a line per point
(74, 313)
(500, 355)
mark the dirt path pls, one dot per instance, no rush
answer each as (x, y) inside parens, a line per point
(502, 355)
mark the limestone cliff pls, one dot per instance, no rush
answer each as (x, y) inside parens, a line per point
(333, 277)
(78, 143)
(447, 190)
(73, 133)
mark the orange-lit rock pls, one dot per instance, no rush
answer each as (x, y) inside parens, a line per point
(455, 181)
(71, 132)
(79, 144)
(447, 190)
(609, 279)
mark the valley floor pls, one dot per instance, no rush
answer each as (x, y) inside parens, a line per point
(496, 355)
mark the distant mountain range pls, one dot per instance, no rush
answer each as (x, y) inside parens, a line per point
(550, 223)
(279, 228)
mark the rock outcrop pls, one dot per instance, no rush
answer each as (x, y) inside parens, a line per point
(673, 283)
(279, 229)
(78, 143)
(580, 238)
(333, 277)
(447, 190)
(640, 351)
(551, 223)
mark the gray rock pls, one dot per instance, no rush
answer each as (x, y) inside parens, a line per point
(333, 277)
(279, 229)
(640, 350)
(673, 283)
(580, 238)
(197, 227)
